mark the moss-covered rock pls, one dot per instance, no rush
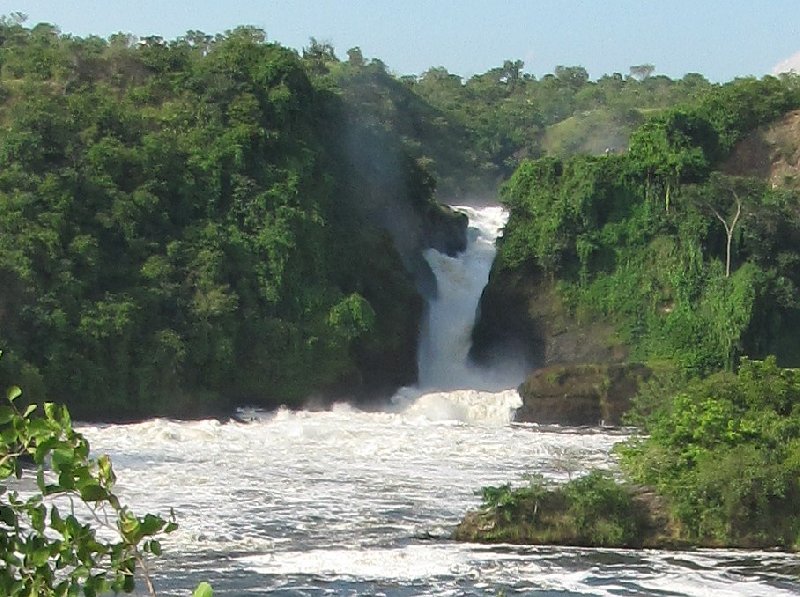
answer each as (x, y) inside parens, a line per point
(592, 511)
(580, 394)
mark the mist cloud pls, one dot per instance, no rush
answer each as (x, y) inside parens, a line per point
(792, 63)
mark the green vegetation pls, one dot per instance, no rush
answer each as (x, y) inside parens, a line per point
(719, 466)
(47, 547)
(697, 269)
(725, 453)
(509, 116)
(592, 510)
(691, 266)
(193, 224)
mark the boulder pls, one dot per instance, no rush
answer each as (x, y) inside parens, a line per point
(577, 395)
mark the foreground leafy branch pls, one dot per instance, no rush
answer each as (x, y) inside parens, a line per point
(49, 543)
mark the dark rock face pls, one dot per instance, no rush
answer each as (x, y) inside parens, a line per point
(578, 395)
(445, 230)
(503, 322)
(442, 229)
(581, 377)
(521, 310)
(388, 359)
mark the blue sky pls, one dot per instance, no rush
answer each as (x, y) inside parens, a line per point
(720, 39)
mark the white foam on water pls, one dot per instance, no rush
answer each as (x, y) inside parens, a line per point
(309, 498)
(724, 573)
(296, 474)
(301, 502)
(413, 562)
(465, 406)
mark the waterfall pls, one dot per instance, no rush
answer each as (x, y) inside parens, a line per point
(450, 387)
(347, 501)
(445, 338)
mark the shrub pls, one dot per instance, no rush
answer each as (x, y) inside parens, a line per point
(45, 550)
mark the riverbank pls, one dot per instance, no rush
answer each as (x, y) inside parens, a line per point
(716, 464)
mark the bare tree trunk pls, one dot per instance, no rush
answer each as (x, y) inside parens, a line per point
(729, 232)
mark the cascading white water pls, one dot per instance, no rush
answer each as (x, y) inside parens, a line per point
(349, 502)
(449, 387)
(446, 335)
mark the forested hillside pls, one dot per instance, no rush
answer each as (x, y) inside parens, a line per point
(689, 260)
(681, 254)
(472, 133)
(189, 225)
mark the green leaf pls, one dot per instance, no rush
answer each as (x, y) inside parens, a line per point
(203, 590)
(65, 480)
(37, 516)
(43, 448)
(7, 515)
(128, 584)
(130, 528)
(155, 547)
(63, 457)
(40, 556)
(6, 414)
(13, 393)
(50, 410)
(93, 493)
(55, 519)
(151, 524)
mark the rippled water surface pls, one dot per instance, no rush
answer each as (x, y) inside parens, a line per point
(348, 502)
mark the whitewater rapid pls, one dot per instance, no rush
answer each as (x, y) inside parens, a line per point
(352, 497)
(346, 502)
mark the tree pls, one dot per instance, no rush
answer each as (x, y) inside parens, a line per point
(574, 77)
(318, 55)
(198, 40)
(355, 57)
(715, 197)
(724, 452)
(512, 70)
(729, 229)
(671, 149)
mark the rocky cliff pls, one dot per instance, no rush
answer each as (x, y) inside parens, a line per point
(578, 395)
(521, 310)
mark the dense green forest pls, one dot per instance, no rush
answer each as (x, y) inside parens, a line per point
(692, 264)
(191, 224)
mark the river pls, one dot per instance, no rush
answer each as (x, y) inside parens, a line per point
(350, 502)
